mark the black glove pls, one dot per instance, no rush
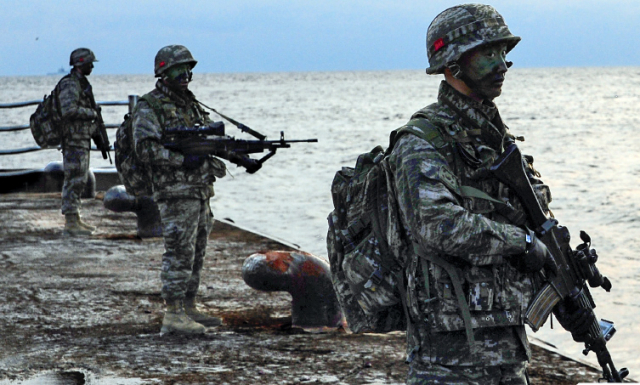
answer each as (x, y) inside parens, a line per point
(577, 321)
(193, 161)
(535, 257)
(251, 165)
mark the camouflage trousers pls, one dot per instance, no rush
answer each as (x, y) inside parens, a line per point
(186, 224)
(76, 173)
(513, 374)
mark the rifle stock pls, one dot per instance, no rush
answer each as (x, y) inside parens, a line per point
(568, 286)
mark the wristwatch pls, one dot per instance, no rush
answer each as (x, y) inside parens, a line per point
(528, 239)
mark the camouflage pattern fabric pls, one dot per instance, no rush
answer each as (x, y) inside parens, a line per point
(466, 232)
(469, 375)
(186, 224)
(171, 56)
(169, 179)
(80, 56)
(182, 194)
(76, 99)
(76, 172)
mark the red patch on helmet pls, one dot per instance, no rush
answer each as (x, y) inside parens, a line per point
(81, 59)
(438, 44)
(162, 64)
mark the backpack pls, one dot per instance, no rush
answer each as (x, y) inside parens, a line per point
(134, 174)
(365, 240)
(45, 122)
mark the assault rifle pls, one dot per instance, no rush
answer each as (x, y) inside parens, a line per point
(575, 267)
(212, 140)
(101, 139)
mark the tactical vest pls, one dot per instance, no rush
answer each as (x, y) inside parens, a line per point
(454, 295)
(171, 182)
(77, 131)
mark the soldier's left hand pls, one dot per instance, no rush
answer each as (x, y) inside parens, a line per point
(576, 321)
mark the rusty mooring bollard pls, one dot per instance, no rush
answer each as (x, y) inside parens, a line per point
(149, 225)
(306, 277)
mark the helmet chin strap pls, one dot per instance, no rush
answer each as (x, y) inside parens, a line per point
(456, 72)
(455, 69)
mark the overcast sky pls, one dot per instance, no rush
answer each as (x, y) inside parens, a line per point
(281, 36)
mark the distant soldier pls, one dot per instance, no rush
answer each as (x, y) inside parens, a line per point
(472, 271)
(182, 186)
(79, 112)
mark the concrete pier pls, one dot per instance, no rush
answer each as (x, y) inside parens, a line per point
(89, 310)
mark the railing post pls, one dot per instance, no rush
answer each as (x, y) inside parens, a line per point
(133, 100)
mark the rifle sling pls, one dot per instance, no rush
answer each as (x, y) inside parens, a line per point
(240, 126)
(515, 216)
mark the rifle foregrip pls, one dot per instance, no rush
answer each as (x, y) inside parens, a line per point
(541, 306)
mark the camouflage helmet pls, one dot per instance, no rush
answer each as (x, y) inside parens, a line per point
(462, 28)
(170, 56)
(80, 56)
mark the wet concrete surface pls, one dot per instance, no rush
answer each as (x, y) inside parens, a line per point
(88, 310)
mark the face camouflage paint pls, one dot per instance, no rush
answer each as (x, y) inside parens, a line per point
(179, 74)
(484, 69)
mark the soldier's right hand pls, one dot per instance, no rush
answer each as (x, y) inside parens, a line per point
(535, 257)
(193, 161)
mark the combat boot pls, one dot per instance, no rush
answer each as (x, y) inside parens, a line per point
(72, 225)
(192, 311)
(86, 225)
(176, 321)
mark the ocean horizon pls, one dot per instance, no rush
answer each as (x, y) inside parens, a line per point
(581, 125)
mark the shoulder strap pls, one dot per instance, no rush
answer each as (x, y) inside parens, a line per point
(56, 95)
(155, 105)
(425, 130)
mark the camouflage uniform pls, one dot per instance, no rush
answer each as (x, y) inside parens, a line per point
(469, 234)
(76, 108)
(182, 194)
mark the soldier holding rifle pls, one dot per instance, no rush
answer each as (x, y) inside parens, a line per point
(181, 185)
(79, 114)
(479, 257)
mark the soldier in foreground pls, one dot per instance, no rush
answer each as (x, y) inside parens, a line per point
(79, 114)
(182, 186)
(471, 276)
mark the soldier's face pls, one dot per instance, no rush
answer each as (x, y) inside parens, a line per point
(485, 68)
(179, 76)
(86, 68)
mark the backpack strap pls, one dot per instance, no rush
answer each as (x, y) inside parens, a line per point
(56, 95)
(425, 130)
(457, 287)
(155, 105)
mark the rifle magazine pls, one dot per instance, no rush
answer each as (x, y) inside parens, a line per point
(541, 307)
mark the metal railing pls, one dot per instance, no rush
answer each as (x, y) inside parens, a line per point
(133, 99)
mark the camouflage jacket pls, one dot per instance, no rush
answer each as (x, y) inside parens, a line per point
(169, 178)
(76, 107)
(466, 232)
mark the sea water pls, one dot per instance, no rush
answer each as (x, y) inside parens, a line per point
(581, 125)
